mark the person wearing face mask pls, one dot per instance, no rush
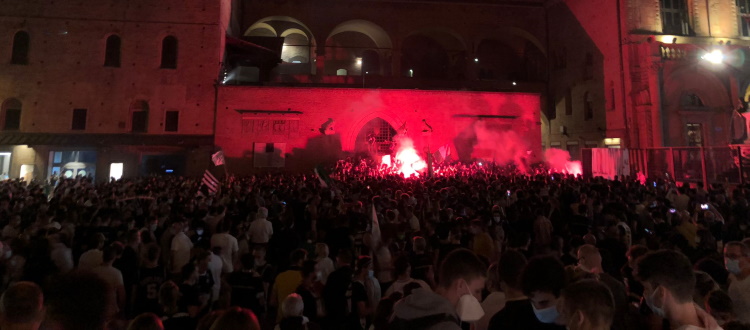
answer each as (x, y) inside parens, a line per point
(587, 305)
(532, 293)
(455, 300)
(668, 285)
(737, 261)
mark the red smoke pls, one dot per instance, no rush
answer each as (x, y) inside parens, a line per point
(559, 161)
(500, 146)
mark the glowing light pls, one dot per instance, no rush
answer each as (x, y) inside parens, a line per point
(476, 60)
(667, 39)
(480, 163)
(386, 160)
(612, 141)
(514, 83)
(359, 61)
(407, 160)
(715, 56)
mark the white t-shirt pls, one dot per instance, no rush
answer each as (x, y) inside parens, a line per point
(62, 256)
(215, 264)
(260, 231)
(113, 277)
(739, 291)
(325, 267)
(414, 223)
(90, 259)
(229, 247)
(181, 246)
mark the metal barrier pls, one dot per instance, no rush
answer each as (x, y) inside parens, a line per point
(709, 165)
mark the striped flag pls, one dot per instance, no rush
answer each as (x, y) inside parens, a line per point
(211, 182)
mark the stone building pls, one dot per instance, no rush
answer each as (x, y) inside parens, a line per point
(107, 88)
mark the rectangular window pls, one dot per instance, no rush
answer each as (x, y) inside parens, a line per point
(674, 17)
(569, 103)
(172, 121)
(575, 150)
(140, 121)
(743, 10)
(12, 119)
(79, 119)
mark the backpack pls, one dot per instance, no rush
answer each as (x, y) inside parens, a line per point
(421, 323)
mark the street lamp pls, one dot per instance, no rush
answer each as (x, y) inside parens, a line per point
(715, 56)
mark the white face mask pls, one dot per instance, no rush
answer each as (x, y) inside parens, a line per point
(469, 309)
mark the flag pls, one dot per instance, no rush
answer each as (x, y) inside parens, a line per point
(211, 182)
(375, 227)
(429, 165)
(322, 175)
(218, 158)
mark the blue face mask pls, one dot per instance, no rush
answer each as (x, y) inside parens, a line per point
(733, 266)
(650, 302)
(546, 315)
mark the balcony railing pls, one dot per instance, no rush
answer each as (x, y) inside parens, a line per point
(390, 82)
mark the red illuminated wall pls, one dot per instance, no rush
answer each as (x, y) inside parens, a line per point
(450, 113)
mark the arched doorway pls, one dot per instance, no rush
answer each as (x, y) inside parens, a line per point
(375, 138)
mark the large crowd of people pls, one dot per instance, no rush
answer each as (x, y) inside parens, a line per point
(473, 247)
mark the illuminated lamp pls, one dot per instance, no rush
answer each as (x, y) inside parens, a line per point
(514, 83)
(476, 60)
(612, 141)
(715, 57)
(359, 61)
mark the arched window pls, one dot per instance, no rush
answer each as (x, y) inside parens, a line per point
(139, 116)
(169, 53)
(20, 48)
(112, 52)
(11, 115)
(692, 100)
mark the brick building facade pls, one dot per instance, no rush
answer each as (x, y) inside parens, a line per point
(91, 86)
